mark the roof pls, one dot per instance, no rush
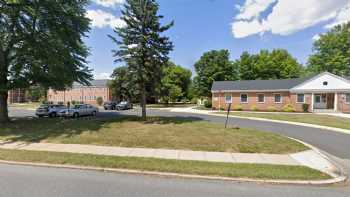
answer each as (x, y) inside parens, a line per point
(94, 83)
(246, 85)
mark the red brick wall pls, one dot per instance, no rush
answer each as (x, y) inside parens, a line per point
(342, 105)
(287, 98)
(16, 96)
(86, 94)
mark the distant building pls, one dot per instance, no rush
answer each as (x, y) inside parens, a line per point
(325, 92)
(16, 96)
(81, 93)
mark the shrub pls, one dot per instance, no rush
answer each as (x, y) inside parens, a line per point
(238, 108)
(74, 102)
(222, 109)
(306, 107)
(254, 108)
(288, 108)
(271, 109)
(99, 101)
(207, 104)
(194, 100)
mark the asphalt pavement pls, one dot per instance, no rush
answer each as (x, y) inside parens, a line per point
(20, 181)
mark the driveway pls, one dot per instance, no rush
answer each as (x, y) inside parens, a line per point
(42, 182)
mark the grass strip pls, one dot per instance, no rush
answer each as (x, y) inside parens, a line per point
(256, 171)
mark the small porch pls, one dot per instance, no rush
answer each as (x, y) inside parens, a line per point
(324, 102)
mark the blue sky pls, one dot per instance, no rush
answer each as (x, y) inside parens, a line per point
(203, 25)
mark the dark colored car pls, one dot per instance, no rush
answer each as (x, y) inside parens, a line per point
(124, 105)
(110, 105)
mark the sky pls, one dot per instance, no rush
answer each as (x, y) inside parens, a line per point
(236, 25)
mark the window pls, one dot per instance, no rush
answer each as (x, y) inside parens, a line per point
(325, 83)
(261, 98)
(278, 98)
(300, 98)
(228, 98)
(244, 98)
(347, 98)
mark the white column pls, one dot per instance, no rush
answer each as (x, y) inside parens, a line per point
(219, 101)
(312, 102)
(336, 102)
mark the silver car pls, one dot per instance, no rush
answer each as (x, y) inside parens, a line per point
(49, 110)
(79, 110)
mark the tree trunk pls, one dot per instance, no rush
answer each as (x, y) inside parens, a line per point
(3, 107)
(3, 88)
(143, 101)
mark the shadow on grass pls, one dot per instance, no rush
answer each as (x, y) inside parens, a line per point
(36, 130)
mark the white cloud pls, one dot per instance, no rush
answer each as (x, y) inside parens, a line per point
(102, 76)
(316, 37)
(288, 16)
(109, 3)
(253, 8)
(101, 19)
(342, 17)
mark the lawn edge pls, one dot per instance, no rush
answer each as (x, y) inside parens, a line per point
(340, 130)
(178, 175)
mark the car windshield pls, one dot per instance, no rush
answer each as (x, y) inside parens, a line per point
(77, 106)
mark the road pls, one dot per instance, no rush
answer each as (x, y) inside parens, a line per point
(38, 181)
(19, 181)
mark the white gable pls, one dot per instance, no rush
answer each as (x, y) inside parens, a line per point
(324, 82)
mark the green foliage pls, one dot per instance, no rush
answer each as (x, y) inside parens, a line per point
(238, 108)
(175, 84)
(306, 107)
(208, 104)
(41, 43)
(99, 101)
(36, 93)
(254, 108)
(288, 108)
(122, 84)
(332, 52)
(213, 66)
(277, 64)
(271, 109)
(141, 45)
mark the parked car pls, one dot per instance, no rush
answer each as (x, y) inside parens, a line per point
(124, 105)
(49, 110)
(79, 110)
(110, 105)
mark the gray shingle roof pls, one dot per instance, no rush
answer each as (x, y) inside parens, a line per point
(94, 83)
(278, 84)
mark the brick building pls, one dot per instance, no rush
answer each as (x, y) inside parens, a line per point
(85, 94)
(16, 96)
(325, 92)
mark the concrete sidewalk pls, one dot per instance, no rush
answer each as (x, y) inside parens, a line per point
(309, 158)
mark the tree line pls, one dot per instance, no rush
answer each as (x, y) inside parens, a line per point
(41, 44)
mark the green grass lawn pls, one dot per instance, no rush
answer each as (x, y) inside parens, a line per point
(259, 171)
(324, 120)
(156, 132)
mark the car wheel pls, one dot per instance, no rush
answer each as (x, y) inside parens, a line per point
(105, 108)
(75, 115)
(118, 108)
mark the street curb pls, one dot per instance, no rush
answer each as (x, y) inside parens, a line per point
(339, 174)
(177, 175)
(346, 131)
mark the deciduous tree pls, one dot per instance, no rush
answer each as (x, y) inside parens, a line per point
(41, 43)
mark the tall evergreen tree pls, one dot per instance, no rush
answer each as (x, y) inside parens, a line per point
(41, 43)
(141, 45)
